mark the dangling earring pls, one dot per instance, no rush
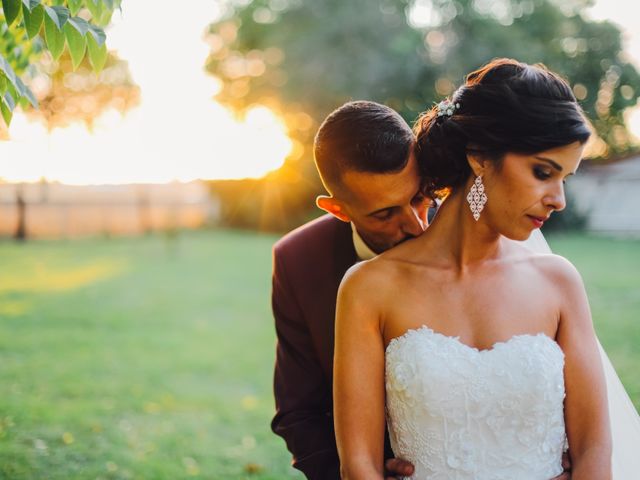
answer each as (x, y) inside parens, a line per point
(476, 197)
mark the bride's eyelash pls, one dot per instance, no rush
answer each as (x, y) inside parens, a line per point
(541, 174)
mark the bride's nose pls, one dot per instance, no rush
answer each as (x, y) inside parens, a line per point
(555, 197)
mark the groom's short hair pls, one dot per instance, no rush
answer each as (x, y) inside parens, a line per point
(361, 136)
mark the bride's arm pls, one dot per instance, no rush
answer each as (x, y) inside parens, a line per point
(358, 377)
(586, 412)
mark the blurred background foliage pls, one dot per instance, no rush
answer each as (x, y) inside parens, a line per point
(75, 26)
(66, 96)
(54, 62)
(304, 58)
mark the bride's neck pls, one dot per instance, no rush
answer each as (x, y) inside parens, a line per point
(462, 239)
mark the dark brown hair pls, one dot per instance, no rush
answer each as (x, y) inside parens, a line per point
(505, 106)
(362, 136)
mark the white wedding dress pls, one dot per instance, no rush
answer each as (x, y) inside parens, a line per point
(460, 413)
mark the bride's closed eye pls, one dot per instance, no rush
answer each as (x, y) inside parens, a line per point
(542, 173)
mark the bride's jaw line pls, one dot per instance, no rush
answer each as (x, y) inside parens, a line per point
(519, 200)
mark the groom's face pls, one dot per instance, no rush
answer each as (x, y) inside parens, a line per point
(386, 208)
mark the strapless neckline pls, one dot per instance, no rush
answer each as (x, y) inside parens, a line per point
(456, 340)
(456, 411)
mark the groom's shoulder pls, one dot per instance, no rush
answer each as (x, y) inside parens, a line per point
(315, 237)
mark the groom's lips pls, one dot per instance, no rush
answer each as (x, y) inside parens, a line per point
(538, 221)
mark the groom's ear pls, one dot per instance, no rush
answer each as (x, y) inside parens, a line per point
(332, 206)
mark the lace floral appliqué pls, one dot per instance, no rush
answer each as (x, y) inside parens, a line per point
(457, 412)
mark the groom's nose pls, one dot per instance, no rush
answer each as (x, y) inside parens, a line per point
(412, 224)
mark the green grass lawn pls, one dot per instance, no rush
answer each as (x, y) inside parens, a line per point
(138, 358)
(152, 358)
(610, 269)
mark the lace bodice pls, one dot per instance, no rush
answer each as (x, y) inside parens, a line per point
(460, 413)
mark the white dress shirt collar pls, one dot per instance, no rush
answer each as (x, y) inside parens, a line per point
(362, 249)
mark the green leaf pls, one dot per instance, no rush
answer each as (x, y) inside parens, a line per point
(11, 103)
(3, 83)
(33, 20)
(74, 6)
(27, 93)
(97, 53)
(11, 9)
(7, 104)
(76, 41)
(8, 71)
(6, 113)
(12, 94)
(30, 4)
(80, 24)
(18, 91)
(58, 15)
(97, 33)
(54, 37)
(95, 7)
(105, 18)
(13, 90)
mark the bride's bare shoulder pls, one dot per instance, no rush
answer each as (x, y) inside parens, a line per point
(369, 280)
(367, 273)
(557, 270)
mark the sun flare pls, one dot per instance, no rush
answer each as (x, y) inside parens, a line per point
(178, 132)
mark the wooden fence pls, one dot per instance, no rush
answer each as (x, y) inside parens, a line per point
(64, 211)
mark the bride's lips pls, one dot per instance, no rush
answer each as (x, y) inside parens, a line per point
(538, 221)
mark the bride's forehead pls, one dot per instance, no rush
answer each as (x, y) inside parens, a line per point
(565, 159)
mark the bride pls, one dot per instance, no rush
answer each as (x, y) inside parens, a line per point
(481, 352)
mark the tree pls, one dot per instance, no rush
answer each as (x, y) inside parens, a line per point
(80, 95)
(303, 58)
(30, 27)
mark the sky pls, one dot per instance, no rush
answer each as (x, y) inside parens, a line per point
(179, 132)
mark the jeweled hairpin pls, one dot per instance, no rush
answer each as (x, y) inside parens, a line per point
(447, 108)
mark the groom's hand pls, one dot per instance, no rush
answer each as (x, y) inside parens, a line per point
(396, 467)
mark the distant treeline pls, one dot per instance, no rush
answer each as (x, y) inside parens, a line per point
(304, 58)
(268, 204)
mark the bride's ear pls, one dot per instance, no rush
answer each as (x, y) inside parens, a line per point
(477, 163)
(332, 206)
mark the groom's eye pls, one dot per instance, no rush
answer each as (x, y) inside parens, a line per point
(384, 215)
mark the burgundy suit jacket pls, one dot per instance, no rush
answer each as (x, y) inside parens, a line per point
(308, 265)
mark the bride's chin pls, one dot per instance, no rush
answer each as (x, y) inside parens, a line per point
(519, 236)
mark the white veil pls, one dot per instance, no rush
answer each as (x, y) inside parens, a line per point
(625, 421)
(625, 425)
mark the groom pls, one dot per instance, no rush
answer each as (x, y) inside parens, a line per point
(363, 152)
